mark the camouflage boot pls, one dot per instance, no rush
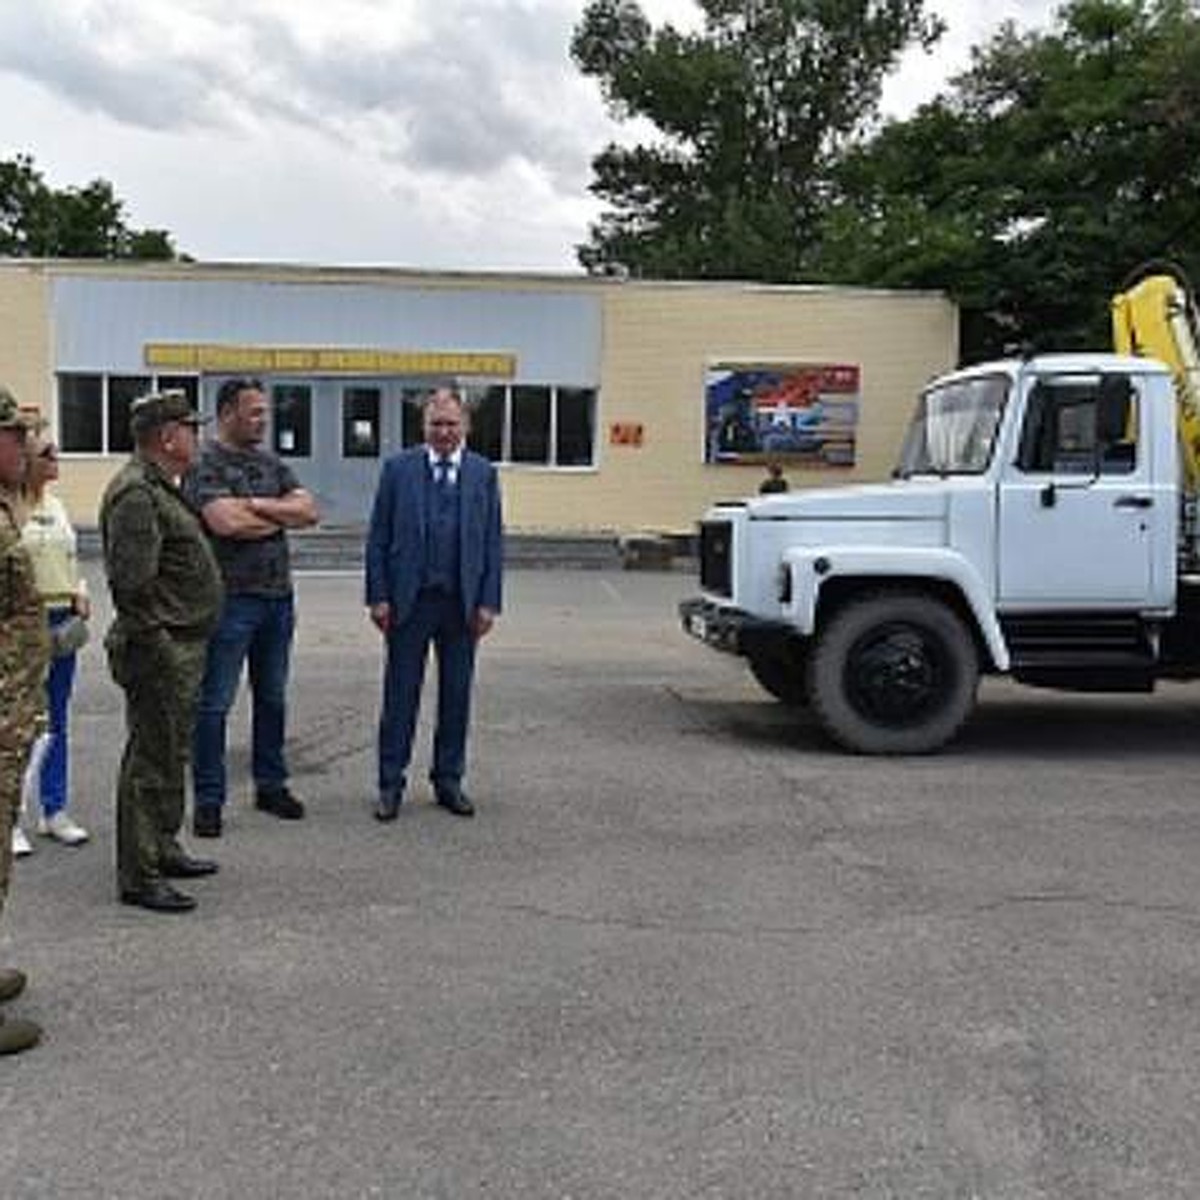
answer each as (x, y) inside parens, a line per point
(16, 1036)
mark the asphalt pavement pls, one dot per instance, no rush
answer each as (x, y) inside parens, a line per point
(686, 949)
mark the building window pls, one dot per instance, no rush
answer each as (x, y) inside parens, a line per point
(81, 413)
(412, 416)
(291, 419)
(189, 385)
(574, 431)
(519, 423)
(93, 409)
(487, 407)
(123, 390)
(549, 426)
(530, 425)
(360, 422)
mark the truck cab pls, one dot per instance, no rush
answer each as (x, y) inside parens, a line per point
(1032, 527)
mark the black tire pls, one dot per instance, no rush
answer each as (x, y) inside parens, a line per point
(894, 673)
(782, 673)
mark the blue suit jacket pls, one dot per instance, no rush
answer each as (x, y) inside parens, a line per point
(395, 554)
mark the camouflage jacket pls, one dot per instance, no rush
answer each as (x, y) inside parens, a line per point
(24, 640)
(161, 571)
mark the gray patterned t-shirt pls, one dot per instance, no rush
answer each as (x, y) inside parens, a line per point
(251, 567)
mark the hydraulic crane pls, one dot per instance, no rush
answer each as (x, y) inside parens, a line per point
(1155, 316)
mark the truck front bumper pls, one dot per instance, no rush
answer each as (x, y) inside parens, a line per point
(730, 629)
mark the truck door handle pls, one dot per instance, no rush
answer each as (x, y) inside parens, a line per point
(1133, 502)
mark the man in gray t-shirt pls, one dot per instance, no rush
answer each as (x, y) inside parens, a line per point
(247, 498)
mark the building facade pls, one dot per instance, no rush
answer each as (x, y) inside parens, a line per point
(612, 406)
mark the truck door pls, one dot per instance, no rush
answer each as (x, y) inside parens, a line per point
(1078, 517)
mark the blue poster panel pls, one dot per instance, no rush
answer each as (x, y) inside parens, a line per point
(801, 413)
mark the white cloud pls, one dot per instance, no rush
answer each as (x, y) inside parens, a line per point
(453, 134)
(968, 23)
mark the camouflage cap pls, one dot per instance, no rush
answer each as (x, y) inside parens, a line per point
(12, 415)
(158, 408)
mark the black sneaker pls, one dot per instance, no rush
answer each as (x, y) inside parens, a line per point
(206, 821)
(279, 802)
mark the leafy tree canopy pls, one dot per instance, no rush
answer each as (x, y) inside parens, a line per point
(38, 221)
(750, 111)
(1054, 166)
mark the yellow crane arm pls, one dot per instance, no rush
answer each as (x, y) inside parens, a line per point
(1157, 318)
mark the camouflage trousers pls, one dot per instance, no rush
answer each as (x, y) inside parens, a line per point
(161, 679)
(12, 768)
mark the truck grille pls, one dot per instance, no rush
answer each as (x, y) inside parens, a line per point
(716, 557)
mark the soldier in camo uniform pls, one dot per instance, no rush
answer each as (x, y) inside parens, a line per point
(167, 592)
(24, 655)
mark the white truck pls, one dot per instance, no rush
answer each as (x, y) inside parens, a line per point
(1041, 523)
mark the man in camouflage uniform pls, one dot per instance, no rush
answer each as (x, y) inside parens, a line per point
(24, 654)
(167, 592)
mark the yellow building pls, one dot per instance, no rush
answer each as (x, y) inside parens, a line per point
(608, 405)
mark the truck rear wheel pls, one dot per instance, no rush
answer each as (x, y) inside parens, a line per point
(782, 673)
(894, 673)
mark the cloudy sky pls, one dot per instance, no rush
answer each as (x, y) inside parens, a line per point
(450, 134)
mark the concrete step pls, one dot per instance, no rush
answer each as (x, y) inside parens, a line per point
(334, 549)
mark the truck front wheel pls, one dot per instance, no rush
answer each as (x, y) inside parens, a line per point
(893, 673)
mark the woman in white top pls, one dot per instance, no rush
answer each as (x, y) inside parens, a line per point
(49, 537)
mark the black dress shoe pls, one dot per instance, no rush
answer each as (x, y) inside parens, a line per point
(189, 868)
(206, 821)
(455, 801)
(158, 896)
(279, 802)
(12, 983)
(387, 807)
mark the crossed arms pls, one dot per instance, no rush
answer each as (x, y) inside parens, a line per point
(248, 518)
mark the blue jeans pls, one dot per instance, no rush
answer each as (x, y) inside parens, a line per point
(437, 619)
(258, 630)
(53, 779)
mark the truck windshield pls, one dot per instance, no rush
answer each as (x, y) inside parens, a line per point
(954, 427)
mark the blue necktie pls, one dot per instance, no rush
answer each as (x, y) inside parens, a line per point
(441, 474)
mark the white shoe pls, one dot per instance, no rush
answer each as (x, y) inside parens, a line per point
(20, 843)
(62, 829)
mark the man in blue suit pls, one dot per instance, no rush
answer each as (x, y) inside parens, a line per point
(434, 563)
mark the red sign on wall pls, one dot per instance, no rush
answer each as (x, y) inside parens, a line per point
(625, 433)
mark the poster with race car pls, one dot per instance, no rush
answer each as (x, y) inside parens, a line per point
(805, 414)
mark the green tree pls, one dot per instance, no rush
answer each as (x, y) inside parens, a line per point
(750, 111)
(1054, 166)
(38, 221)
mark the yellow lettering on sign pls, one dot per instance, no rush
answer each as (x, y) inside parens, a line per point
(328, 360)
(170, 356)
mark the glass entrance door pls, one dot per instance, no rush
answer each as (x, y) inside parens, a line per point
(359, 442)
(374, 418)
